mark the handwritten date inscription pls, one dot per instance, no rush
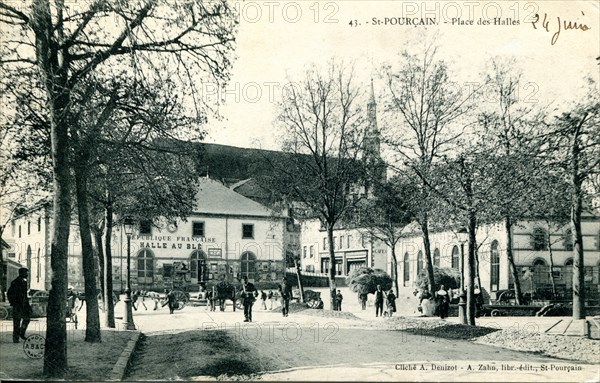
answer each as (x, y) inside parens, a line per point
(560, 26)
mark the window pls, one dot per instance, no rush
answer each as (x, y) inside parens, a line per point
(198, 229)
(568, 240)
(338, 267)
(495, 266)
(406, 269)
(247, 231)
(248, 264)
(198, 269)
(334, 241)
(39, 265)
(324, 243)
(349, 241)
(39, 224)
(145, 227)
(312, 251)
(341, 241)
(539, 239)
(304, 252)
(419, 261)
(145, 267)
(436, 257)
(455, 258)
(28, 227)
(325, 265)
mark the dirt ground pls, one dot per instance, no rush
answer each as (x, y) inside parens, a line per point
(86, 361)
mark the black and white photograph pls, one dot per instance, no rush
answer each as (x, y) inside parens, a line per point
(300, 190)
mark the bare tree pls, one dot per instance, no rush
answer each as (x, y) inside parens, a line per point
(67, 44)
(323, 141)
(426, 107)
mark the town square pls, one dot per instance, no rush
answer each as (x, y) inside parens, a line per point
(300, 191)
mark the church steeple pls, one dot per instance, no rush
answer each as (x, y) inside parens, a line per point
(372, 141)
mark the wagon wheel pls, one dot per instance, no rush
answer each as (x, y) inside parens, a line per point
(181, 296)
(3, 313)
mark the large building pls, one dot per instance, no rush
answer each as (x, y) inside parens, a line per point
(533, 242)
(227, 236)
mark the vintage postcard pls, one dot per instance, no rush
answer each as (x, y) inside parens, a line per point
(308, 190)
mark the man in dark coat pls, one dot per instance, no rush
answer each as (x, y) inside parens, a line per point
(249, 294)
(378, 301)
(17, 296)
(285, 289)
(171, 300)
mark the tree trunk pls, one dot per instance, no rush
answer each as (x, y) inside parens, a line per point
(428, 261)
(53, 66)
(109, 308)
(508, 224)
(471, 304)
(299, 275)
(332, 285)
(578, 268)
(395, 269)
(100, 252)
(551, 258)
(92, 329)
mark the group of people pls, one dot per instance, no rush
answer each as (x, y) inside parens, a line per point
(439, 303)
(250, 294)
(337, 301)
(390, 300)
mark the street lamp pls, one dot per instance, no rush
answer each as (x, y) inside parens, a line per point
(463, 236)
(128, 317)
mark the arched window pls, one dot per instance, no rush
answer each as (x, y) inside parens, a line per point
(455, 257)
(145, 267)
(198, 269)
(539, 239)
(495, 266)
(419, 261)
(436, 257)
(248, 265)
(540, 273)
(406, 269)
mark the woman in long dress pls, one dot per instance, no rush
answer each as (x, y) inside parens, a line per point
(427, 306)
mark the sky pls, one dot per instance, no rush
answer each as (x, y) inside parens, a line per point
(277, 40)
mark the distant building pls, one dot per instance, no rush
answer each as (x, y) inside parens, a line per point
(531, 250)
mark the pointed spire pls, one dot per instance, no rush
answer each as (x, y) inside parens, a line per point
(372, 99)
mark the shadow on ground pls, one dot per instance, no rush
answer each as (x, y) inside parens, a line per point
(449, 331)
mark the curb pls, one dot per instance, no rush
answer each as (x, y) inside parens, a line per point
(118, 371)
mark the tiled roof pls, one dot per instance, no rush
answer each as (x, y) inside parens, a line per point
(215, 198)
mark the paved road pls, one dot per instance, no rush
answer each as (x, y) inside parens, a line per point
(302, 347)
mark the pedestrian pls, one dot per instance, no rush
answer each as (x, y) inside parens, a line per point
(478, 301)
(443, 302)
(170, 300)
(249, 294)
(427, 306)
(285, 290)
(271, 298)
(391, 302)
(17, 296)
(363, 300)
(338, 300)
(263, 298)
(378, 301)
(211, 299)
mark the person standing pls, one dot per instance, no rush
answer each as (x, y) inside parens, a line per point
(170, 300)
(378, 301)
(443, 301)
(286, 294)
(391, 302)
(338, 300)
(271, 298)
(249, 294)
(363, 301)
(17, 296)
(263, 298)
